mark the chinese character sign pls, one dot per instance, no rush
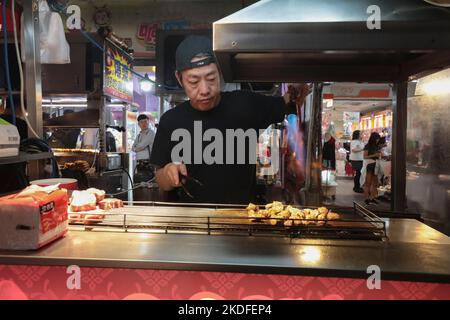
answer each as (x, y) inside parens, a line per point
(118, 78)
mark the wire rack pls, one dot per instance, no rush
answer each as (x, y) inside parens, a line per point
(217, 219)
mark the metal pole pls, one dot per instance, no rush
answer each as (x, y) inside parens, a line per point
(398, 183)
(33, 83)
(313, 183)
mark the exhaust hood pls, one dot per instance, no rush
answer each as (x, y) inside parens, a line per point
(329, 40)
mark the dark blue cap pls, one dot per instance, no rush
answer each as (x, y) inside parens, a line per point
(189, 48)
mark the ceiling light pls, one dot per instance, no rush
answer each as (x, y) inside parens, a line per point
(146, 84)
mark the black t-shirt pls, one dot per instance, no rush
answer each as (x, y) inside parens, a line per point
(371, 149)
(222, 182)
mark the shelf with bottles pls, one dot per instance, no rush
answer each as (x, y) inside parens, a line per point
(375, 121)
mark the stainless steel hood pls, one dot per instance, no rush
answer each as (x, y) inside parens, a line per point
(328, 40)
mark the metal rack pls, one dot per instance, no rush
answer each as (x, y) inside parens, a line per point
(25, 157)
(362, 224)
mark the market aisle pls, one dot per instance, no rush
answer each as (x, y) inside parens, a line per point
(345, 196)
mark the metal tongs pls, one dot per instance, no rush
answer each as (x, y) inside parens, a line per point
(183, 179)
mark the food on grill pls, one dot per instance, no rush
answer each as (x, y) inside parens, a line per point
(253, 207)
(264, 213)
(275, 212)
(288, 223)
(332, 216)
(99, 194)
(284, 214)
(83, 201)
(274, 207)
(79, 165)
(254, 214)
(112, 203)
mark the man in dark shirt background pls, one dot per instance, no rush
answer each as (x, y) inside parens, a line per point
(14, 175)
(199, 76)
(21, 124)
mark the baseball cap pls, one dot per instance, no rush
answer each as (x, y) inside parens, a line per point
(189, 48)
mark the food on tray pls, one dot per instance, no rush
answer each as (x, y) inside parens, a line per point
(93, 218)
(79, 165)
(276, 213)
(110, 203)
(88, 206)
(99, 194)
(83, 201)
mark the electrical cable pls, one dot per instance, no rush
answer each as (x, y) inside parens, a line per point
(129, 176)
(6, 62)
(19, 61)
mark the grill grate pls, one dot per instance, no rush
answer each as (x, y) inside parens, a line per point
(361, 224)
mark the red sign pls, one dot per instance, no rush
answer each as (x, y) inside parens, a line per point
(147, 32)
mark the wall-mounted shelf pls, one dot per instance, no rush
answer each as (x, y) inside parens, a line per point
(25, 157)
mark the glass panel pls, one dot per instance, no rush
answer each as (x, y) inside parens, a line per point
(428, 150)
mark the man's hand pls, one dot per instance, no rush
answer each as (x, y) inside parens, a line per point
(297, 93)
(168, 177)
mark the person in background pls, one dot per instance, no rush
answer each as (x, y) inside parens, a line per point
(357, 159)
(13, 175)
(21, 124)
(329, 152)
(143, 148)
(371, 154)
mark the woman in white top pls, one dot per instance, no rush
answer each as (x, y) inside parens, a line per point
(143, 148)
(357, 159)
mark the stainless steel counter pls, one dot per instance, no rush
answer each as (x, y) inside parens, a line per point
(414, 252)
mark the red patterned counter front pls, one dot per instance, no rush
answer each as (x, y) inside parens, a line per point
(45, 282)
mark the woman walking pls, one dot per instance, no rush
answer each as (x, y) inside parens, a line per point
(371, 154)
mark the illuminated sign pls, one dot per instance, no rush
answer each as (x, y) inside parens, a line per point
(118, 78)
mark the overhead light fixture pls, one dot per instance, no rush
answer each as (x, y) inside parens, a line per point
(441, 3)
(436, 87)
(146, 84)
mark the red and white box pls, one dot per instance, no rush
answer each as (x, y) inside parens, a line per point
(33, 218)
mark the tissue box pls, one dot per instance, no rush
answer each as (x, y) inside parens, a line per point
(32, 220)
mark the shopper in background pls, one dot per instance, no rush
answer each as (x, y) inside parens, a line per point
(371, 155)
(143, 148)
(357, 159)
(329, 152)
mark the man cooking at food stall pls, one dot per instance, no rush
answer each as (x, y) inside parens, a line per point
(196, 124)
